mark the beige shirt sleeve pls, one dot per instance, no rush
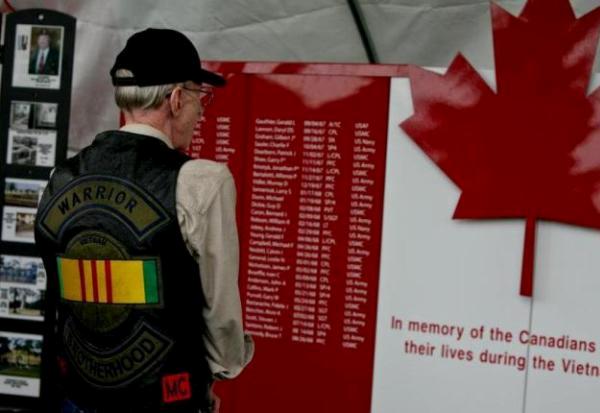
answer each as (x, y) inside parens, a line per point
(206, 199)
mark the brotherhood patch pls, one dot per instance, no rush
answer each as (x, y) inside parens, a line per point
(118, 366)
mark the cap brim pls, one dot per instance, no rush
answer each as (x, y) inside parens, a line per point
(211, 78)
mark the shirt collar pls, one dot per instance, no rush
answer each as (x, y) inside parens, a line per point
(143, 129)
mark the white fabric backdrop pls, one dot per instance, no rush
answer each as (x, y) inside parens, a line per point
(424, 32)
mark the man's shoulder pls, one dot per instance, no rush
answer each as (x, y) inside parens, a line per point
(205, 168)
(200, 180)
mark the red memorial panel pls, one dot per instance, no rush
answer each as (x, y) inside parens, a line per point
(308, 156)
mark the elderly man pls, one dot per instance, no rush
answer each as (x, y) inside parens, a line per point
(141, 248)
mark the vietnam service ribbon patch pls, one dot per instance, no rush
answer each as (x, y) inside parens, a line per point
(109, 281)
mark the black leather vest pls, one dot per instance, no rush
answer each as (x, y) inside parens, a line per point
(127, 290)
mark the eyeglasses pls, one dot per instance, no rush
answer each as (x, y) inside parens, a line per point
(206, 94)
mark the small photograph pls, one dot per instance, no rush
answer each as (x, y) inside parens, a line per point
(20, 361)
(23, 192)
(24, 150)
(25, 222)
(25, 303)
(17, 224)
(31, 148)
(20, 115)
(22, 287)
(38, 56)
(33, 115)
(21, 270)
(44, 115)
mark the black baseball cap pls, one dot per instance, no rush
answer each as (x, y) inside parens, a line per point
(160, 57)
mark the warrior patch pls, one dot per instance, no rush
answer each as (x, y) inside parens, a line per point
(116, 197)
(115, 367)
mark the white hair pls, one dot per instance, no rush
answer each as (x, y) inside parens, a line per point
(140, 97)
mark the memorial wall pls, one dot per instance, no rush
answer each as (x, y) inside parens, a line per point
(361, 291)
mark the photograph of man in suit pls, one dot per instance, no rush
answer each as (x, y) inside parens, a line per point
(44, 58)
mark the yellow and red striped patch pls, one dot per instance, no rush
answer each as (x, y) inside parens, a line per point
(108, 281)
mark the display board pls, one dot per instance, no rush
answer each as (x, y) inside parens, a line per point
(34, 122)
(360, 290)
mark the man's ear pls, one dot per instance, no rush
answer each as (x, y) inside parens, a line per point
(175, 102)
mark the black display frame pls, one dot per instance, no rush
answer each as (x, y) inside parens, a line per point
(8, 94)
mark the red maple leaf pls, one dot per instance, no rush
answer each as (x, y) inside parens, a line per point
(530, 149)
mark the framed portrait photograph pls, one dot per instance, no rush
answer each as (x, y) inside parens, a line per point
(38, 56)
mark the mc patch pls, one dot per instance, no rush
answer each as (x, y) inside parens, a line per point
(176, 387)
